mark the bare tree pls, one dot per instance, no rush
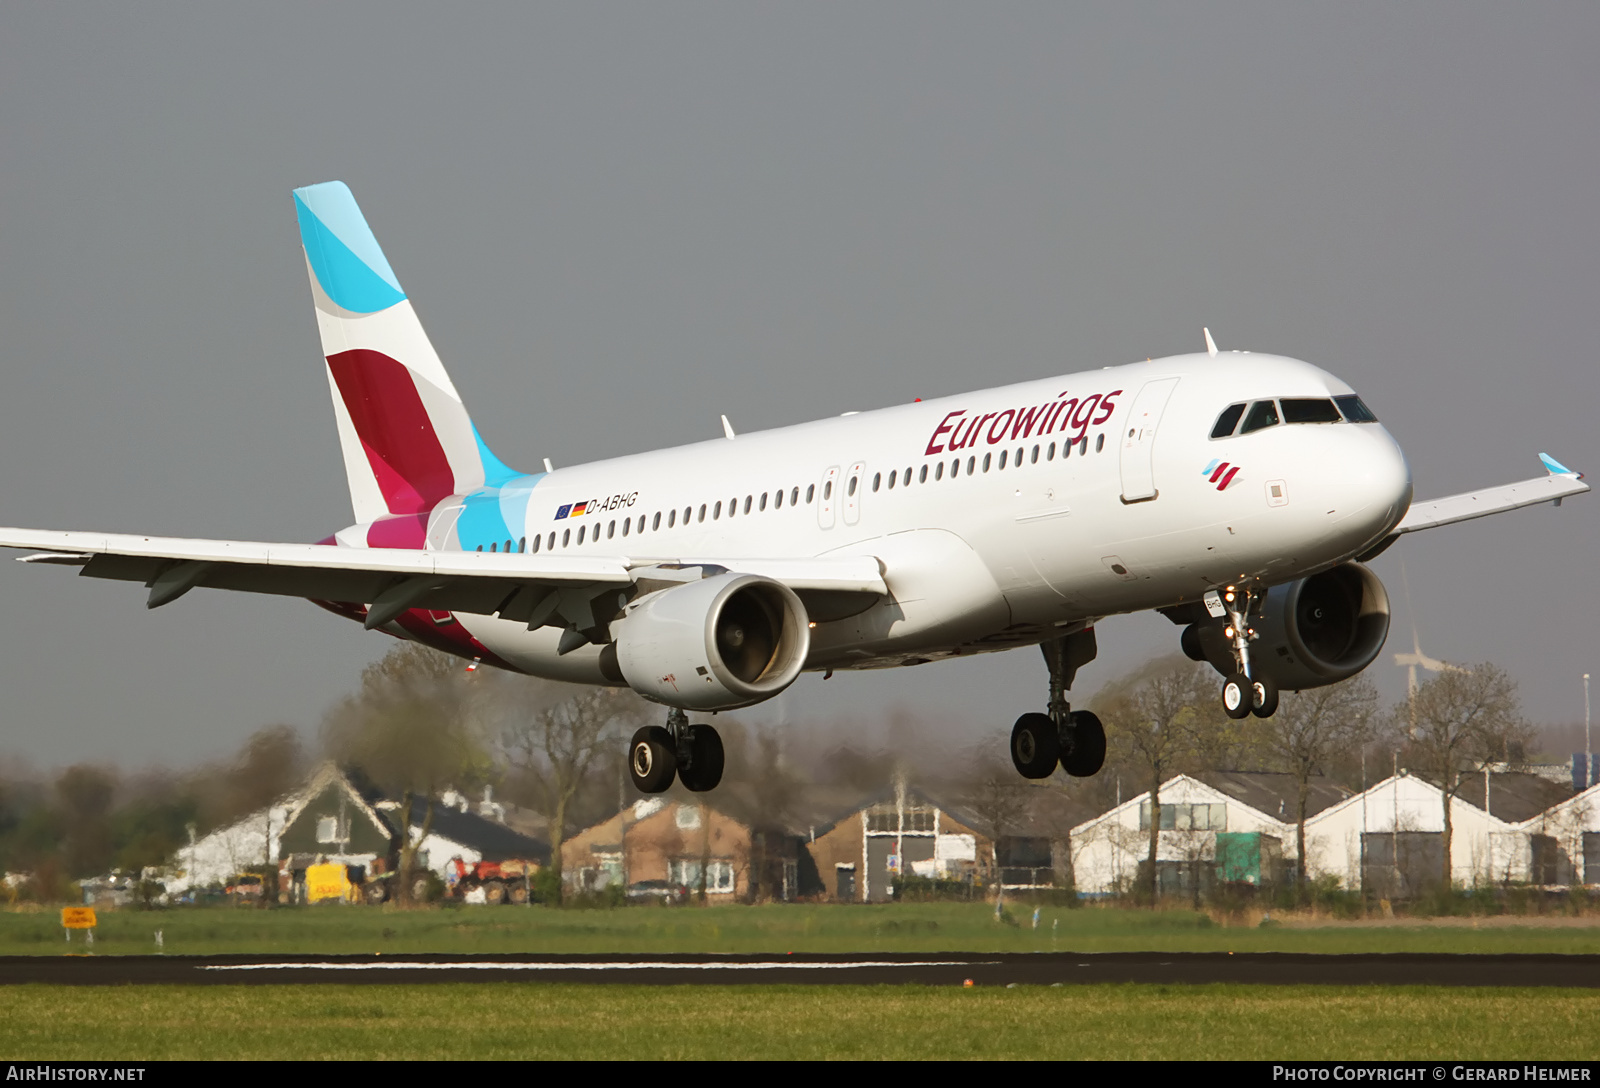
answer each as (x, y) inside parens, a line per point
(1460, 721)
(555, 749)
(1310, 729)
(1155, 717)
(414, 728)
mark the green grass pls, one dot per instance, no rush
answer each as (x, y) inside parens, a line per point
(776, 928)
(512, 1020)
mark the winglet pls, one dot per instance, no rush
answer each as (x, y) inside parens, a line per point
(1556, 468)
(1211, 345)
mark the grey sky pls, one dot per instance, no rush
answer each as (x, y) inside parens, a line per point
(618, 221)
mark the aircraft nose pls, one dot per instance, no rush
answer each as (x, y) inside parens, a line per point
(1382, 477)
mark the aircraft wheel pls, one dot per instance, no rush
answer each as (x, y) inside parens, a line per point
(1236, 691)
(1263, 697)
(652, 763)
(1035, 746)
(703, 770)
(1083, 747)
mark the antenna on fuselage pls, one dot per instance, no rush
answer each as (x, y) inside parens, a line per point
(727, 428)
(1211, 345)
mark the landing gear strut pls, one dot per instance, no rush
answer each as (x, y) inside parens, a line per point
(690, 753)
(1244, 691)
(1074, 740)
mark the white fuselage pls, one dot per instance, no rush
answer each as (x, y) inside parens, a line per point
(1108, 502)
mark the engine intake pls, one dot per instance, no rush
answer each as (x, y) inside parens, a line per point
(721, 643)
(1312, 632)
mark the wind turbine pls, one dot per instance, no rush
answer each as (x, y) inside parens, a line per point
(1416, 658)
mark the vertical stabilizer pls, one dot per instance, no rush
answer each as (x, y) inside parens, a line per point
(407, 439)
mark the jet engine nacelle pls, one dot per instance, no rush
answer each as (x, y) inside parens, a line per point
(720, 643)
(1312, 632)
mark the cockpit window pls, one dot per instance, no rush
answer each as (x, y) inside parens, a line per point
(1354, 409)
(1263, 413)
(1308, 410)
(1227, 421)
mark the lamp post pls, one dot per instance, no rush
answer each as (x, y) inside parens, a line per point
(1588, 749)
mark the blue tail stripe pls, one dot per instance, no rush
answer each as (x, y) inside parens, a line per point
(344, 254)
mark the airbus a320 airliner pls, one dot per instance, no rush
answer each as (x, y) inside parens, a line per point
(1238, 494)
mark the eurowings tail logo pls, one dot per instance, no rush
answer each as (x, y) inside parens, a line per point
(1220, 473)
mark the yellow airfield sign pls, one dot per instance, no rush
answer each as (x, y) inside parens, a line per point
(77, 917)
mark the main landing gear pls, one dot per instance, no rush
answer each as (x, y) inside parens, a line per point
(1074, 740)
(690, 753)
(1244, 691)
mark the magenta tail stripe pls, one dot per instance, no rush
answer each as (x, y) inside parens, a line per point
(395, 431)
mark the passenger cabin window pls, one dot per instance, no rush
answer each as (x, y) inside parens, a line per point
(1354, 409)
(1227, 421)
(1263, 413)
(1309, 410)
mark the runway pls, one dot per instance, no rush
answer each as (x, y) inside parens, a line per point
(942, 969)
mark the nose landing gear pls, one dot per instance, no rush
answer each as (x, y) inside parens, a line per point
(690, 753)
(1074, 740)
(1245, 691)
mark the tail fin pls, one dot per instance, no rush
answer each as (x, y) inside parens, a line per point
(407, 439)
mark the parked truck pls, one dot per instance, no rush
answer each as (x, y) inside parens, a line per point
(508, 881)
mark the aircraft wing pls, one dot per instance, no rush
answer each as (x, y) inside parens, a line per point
(531, 588)
(1559, 484)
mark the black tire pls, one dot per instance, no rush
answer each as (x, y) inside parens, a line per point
(494, 892)
(1035, 746)
(1236, 693)
(420, 887)
(1263, 697)
(375, 893)
(652, 763)
(1083, 747)
(703, 770)
(517, 893)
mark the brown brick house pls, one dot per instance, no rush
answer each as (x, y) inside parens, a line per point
(682, 843)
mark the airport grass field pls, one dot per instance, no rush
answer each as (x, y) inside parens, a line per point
(540, 1020)
(511, 1020)
(775, 928)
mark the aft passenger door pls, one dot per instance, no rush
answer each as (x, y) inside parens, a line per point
(1139, 440)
